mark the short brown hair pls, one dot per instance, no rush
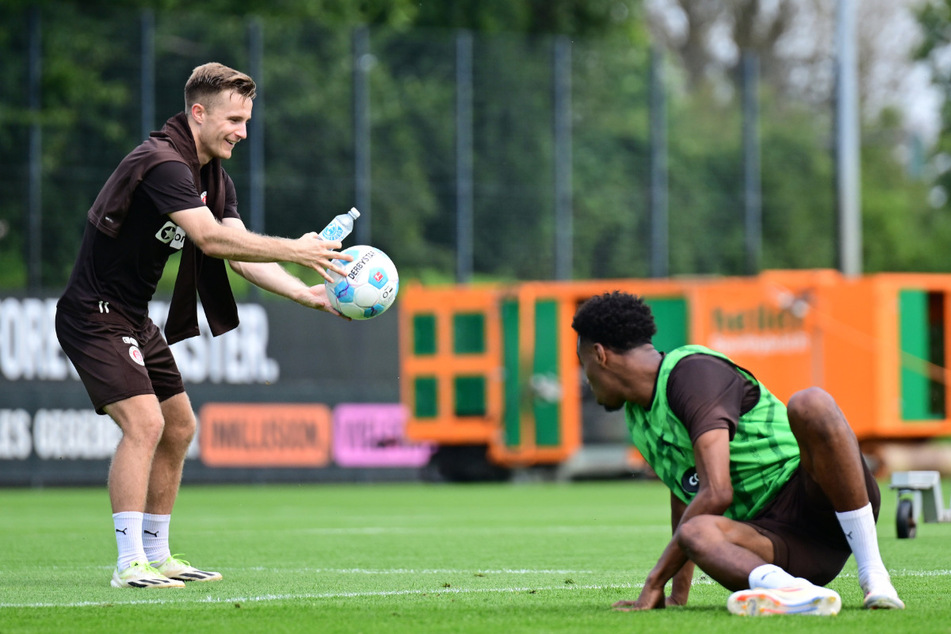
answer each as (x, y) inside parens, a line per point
(210, 80)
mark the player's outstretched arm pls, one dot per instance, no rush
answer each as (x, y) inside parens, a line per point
(230, 241)
(274, 278)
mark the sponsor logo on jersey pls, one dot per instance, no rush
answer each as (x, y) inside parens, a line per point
(690, 481)
(204, 198)
(172, 235)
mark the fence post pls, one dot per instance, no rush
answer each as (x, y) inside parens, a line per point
(464, 191)
(147, 78)
(256, 132)
(847, 142)
(659, 246)
(362, 62)
(752, 185)
(34, 207)
(564, 228)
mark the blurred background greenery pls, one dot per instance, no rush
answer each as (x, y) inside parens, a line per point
(105, 72)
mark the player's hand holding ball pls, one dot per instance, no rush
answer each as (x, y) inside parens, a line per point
(368, 286)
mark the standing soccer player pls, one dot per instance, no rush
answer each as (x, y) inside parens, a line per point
(768, 500)
(169, 194)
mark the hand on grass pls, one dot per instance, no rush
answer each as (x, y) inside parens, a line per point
(649, 599)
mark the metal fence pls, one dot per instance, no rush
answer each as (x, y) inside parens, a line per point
(470, 156)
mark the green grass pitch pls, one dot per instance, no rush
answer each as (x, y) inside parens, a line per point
(533, 557)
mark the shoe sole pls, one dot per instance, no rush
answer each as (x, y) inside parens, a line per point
(188, 579)
(883, 603)
(763, 603)
(147, 583)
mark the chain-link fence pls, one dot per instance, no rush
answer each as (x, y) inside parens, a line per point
(471, 156)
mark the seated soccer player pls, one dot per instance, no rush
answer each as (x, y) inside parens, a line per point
(768, 499)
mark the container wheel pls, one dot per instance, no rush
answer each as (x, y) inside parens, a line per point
(905, 520)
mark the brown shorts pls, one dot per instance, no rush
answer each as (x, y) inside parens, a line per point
(117, 360)
(807, 538)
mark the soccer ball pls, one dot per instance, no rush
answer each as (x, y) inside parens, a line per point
(369, 284)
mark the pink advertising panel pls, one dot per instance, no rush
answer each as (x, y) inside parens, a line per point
(373, 435)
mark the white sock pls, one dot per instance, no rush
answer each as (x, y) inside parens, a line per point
(772, 576)
(128, 526)
(155, 536)
(859, 529)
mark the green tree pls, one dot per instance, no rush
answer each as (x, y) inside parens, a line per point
(90, 119)
(902, 231)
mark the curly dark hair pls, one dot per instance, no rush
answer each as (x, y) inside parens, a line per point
(616, 320)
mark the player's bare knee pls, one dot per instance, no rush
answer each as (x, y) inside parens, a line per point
(813, 411)
(180, 430)
(812, 406)
(811, 402)
(180, 424)
(147, 430)
(694, 534)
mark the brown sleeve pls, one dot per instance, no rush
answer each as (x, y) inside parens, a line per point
(231, 199)
(707, 392)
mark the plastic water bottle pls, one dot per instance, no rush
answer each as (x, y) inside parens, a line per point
(340, 227)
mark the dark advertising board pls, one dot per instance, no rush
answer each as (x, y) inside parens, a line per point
(290, 395)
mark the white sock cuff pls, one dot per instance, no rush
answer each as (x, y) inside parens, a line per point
(771, 576)
(856, 514)
(151, 517)
(128, 515)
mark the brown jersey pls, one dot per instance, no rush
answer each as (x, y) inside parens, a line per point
(706, 392)
(120, 274)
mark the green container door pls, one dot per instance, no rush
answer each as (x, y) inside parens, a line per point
(520, 394)
(921, 332)
(536, 388)
(670, 315)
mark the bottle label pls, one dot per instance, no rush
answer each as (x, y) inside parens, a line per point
(334, 231)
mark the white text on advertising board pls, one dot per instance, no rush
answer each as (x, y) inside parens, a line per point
(29, 350)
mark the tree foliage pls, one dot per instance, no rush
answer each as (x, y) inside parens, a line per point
(90, 116)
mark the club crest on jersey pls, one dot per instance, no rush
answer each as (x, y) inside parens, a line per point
(690, 481)
(204, 198)
(172, 235)
(136, 355)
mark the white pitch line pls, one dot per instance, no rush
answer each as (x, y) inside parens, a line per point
(426, 571)
(377, 571)
(394, 593)
(449, 530)
(320, 595)
(905, 573)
